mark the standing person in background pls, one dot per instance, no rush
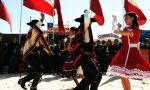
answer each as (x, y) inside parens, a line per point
(129, 62)
(35, 42)
(2, 52)
(108, 54)
(145, 44)
(14, 54)
(98, 47)
(116, 46)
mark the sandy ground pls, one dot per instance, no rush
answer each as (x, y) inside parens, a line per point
(54, 82)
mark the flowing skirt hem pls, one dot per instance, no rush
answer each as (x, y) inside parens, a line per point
(129, 73)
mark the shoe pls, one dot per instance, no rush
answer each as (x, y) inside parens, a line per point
(33, 88)
(70, 89)
(22, 84)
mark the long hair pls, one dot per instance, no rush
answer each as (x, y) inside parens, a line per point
(135, 21)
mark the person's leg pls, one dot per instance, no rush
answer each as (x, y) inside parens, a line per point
(13, 64)
(25, 79)
(36, 80)
(75, 79)
(96, 82)
(126, 83)
(10, 65)
(28, 77)
(89, 71)
(1, 70)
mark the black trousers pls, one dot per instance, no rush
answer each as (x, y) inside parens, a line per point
(34, 62)
(1, 70)
(90, 72)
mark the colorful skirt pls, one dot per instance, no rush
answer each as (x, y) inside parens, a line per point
(129, 62)
(68, 69)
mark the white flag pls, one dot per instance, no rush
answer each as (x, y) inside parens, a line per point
(114, 22)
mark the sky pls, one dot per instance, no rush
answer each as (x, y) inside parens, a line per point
(71, 9)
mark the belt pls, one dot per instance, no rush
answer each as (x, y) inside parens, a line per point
(133, 45)
(87, 53)
(34, 52)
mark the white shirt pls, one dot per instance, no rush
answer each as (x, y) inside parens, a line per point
(87, 22)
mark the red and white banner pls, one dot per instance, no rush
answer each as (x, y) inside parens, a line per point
(40, 5)
(60, 18)
(131, 6)
(95, 6)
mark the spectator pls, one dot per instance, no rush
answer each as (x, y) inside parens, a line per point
(2, 58)
(103, 43)
(100, 54)
(108, 53)
(13, 59)
(58, 58)
(145, 44)
(116, 46)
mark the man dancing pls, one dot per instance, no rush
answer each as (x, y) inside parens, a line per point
(34, 44)
(84, 40)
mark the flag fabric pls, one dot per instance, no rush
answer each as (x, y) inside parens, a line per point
(114, 22)
(57, 6)
(40, 5)
(4, 14)
(95, 6)
(131, 6)
(34, 36)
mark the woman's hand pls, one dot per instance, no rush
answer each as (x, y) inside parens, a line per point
(51, 53)
(119, 25)
(117, 32)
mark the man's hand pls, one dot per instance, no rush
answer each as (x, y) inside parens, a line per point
(51, 53)
(42, 17)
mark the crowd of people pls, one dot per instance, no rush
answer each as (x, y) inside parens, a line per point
(10, 55)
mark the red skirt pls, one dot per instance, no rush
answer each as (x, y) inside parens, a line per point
(129, 63)
(68, 69)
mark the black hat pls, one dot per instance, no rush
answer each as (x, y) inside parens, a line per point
(73, 29)
(33, 22)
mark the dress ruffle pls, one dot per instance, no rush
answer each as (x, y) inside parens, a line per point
(130, 73)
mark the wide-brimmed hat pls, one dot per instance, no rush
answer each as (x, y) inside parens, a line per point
(33, 22)
(73, 29)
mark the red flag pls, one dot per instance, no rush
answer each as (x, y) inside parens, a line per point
(39, 5)
(60, 19)
(4, 14)
(131, 6)
(95, 6)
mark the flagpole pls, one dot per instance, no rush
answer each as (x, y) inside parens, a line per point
(53, 21)
(123, 12)
(20, 22)
(53, 33)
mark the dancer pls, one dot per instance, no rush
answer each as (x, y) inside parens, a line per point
(34, 44)
(69, 71)
(129, 62)
(84, 43)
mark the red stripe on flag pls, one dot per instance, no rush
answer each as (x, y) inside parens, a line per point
(60, 19)
(4, 14)
(96, 8)
(129, 7)
(39, 5)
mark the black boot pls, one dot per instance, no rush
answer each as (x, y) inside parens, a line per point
(22, 84)
(33, 88)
